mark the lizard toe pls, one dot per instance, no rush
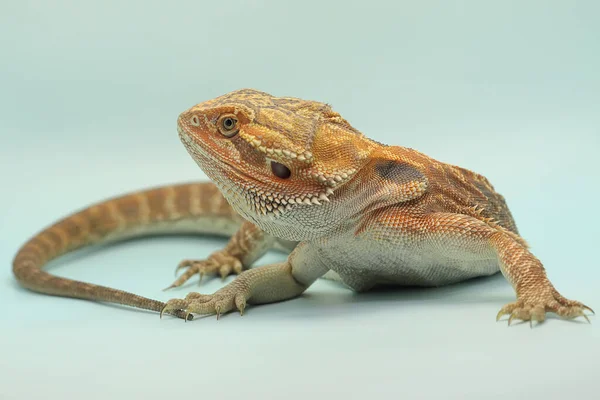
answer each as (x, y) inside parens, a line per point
(220, 262)
(173, 305)
(223, 301)
(533, 307)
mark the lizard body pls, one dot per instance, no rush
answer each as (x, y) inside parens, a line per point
(294, 174)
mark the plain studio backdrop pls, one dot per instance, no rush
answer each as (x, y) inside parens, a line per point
(90, 92)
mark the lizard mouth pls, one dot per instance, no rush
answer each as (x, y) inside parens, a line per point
(236, 184)
(208, 161)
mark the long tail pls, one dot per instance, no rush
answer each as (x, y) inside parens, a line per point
(196, 207)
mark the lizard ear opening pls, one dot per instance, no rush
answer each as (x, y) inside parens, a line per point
(280, 170)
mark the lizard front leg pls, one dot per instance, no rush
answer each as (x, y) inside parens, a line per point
(268, 284)
(247, 245)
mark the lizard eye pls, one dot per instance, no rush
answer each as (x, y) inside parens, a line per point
(280, 170)
(228, 125)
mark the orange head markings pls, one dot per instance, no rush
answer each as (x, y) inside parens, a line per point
(270, 155)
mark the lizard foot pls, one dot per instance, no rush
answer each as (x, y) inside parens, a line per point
(219, 262)
(533, 308)
(222, 301)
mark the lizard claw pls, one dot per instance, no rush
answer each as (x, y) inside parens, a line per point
(588, 308)
(219, 262)
(171, 308)
(182, 264)
(222, 301)
(533, 308)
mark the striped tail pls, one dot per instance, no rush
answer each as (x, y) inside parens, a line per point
(196, 207)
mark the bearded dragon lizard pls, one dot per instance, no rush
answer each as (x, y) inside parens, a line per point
(294, 174)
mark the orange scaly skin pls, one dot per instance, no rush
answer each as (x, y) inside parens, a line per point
(303, 179)
(152, 211)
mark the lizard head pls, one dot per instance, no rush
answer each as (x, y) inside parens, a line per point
(279, 161)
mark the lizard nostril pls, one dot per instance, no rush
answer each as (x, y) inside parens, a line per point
(280, 170)
(195, 120)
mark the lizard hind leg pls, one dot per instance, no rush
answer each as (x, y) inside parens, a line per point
(535, 293)
(536, 311)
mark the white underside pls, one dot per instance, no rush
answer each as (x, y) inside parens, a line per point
(358, 263)
(363, 263)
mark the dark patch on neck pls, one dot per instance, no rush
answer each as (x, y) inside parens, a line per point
(397, 171)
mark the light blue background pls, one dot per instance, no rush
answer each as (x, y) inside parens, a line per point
(90, 92)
